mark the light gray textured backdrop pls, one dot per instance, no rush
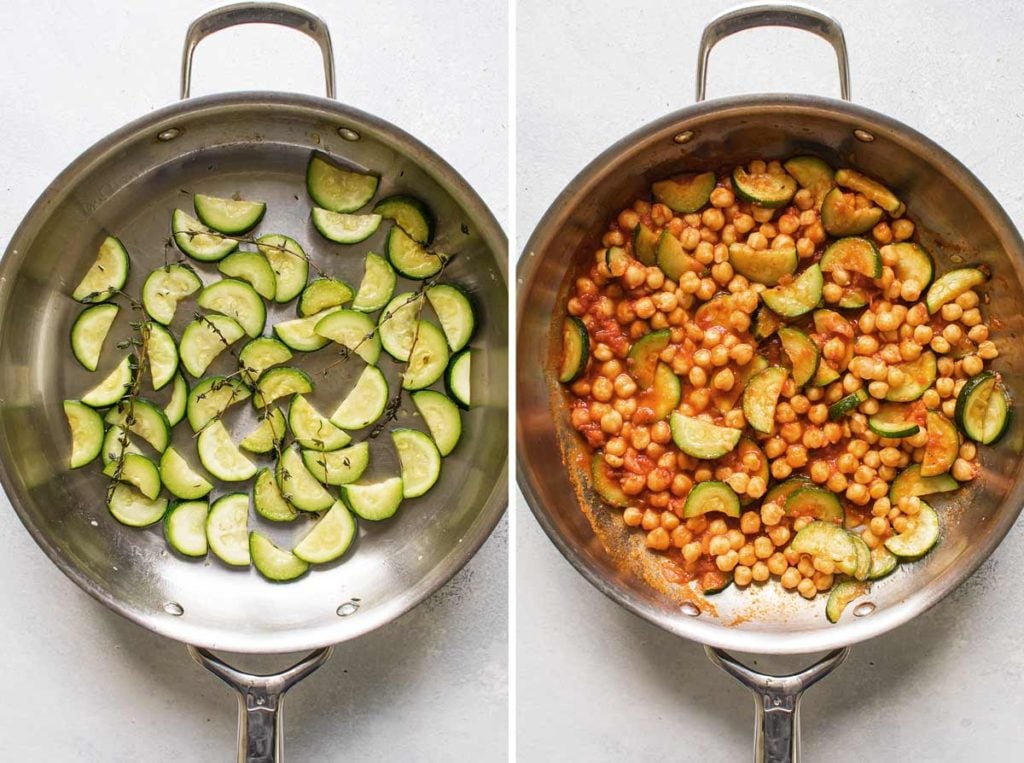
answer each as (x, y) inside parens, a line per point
(598, 684)
(81, 684)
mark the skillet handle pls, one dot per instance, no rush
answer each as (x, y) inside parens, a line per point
(777, 702)
(257, 13)
(260, 698)
(753, 16)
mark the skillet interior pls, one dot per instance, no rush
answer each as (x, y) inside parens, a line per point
(127, 185)
(958, 221)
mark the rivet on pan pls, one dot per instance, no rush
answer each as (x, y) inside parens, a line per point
(684, 137)
(348, 608)
(865, 609)
(863, 135)
(174, 608)
(689, 609)
(94, 523)
(169, 134)
(348, 134)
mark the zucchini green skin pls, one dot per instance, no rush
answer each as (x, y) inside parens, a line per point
(274, 563)
(804, 355)
(238, 300)
(951, 285)
(673, 259)
(853, 254)
(847, 405)
(228, 215)
(913, 263)
(410, 214)
(909, 482)
(377, 285)
(644, 356)
(712, 496)
(374, 501)
(129, 507)
(920, 540)
(798, 297)
(454, 311)
(113, 387)
(760, 397)
(829, 541)
(605, 485)
(107, 275)
(764, 190)
(330, 537)
(185, 528)
(975, 404)
(813, 174)
(442, 418)
(781, 492)
(766, 266)
(86, 427)
(411, 258)
(889, 422)
(840, 218)
(419, 459)
(872, 189)
(254, 269)
(227, 529)
(337, 189)
(815, 502)
(344, 227)
(943, 445)
(428, 358)
(89, 333)
(702, 439)
(197, 240)
(165, 287)
(457, 379)
(685, 193)
(920, 375)
(883, 562)
(138, 471)
(841, 596)
(645, 244)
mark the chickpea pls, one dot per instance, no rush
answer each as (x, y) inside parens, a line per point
(971, 317)
(777, 563)
(987, 350)
(791, 578)
(763, 546)
(658, 539)
(691, 552)
(978, 333)
(964, 470)
(728, 561)
(722, 197)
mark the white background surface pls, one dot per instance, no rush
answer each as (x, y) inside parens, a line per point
(596, 683)
(81, 684)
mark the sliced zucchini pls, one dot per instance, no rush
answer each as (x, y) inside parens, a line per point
(702, 439)
(765, 323)
(197, 241)
(841, 217)
(411, 258)
(180, 478)
(605, 484)
(278, 382)
(665, 395)
(913, 263)
(206, 338)
(165, 287)
(763, 266)
(712, 496)
(344, 228)
(410, 214)
(764, 189)
(841, 596)
(803, 354)
(420, 461)
(883, 562)
(872, 189)
(673, 259)
(89, 332)
(267, 498)
(920, 538)
(116, 442)
(909, 482)
(113, 387)
(863, 557)
(919, 375)
(616, 259)
(714, 581)
(825, 375)
(374, 500)
(143, 418)
(854, 255)
(853, 297)
(260, 354)
(267, 435)
(454, 313)
(238, 300)
(107, 274)
(781, 492)
(813, 174)
(943, 445)
(337, 189)
(428, 358)
(86, 427)
(185, 528)
(685, 193)
(458, 379)
(162, 353)
(227, 529)
(130, 507)
(377, 286)
(827, 541)
(323, 293)
(365, 403)
(300, 333)
(644, 356)
(815, 502)
(831, 322)
(892, 421)
(726, 401)
(760, 397)
(443, 419)
(846, 405)
(221, 457)
(274, 563)
(254, 269)
(798, 297)
(983, 408)
(645, 244)
(289, 262)
(312, 430)
(330, 537)
(230, 216)
(338, 467)
(951, 285)
(211, 397)
(298, 486)
(353, 330)
(397, 324)
(135, 469)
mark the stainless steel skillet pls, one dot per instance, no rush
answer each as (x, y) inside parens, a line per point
(127, 184)
(959, 220)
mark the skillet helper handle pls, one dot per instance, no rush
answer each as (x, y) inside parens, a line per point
(777, 702)
(260, 722)
(257, 13)
(754, 16)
